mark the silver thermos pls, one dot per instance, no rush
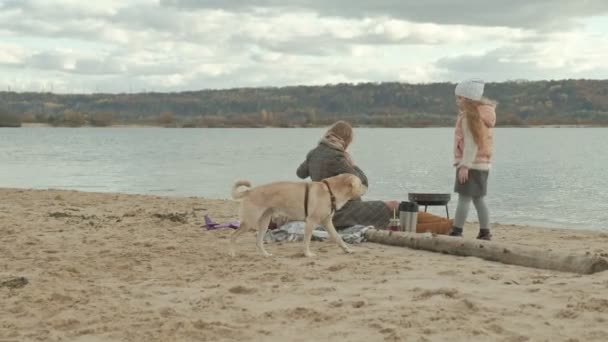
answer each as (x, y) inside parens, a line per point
(408, 216)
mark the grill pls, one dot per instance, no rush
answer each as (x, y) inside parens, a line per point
(431, 199)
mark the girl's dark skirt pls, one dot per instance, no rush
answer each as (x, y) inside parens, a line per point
(475, 186)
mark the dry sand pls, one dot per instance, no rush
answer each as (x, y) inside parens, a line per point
(115, 267)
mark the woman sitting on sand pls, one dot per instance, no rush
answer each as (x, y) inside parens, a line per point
(330, 158)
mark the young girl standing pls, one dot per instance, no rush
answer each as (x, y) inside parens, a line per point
(473, 146)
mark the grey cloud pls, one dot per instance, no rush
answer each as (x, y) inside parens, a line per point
(140, 46)
(63, 62)
(319, 46)
(328, 44)
(489, 66)
(92, 66)
(110, 65)
(149, 24)
(155, 69)
(148, 17)
(247, 75)
(48, 9)
(547, 14)
(46, 61)
(51, 27)
(42, 19)
(514, 62)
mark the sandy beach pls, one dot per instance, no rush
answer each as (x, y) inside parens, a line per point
(117, 267)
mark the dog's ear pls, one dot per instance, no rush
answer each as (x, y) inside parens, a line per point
(355, 182)
(356, 186)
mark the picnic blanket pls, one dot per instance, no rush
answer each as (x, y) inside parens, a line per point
(294, 231)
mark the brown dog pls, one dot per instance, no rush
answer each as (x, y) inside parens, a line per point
(314, 202)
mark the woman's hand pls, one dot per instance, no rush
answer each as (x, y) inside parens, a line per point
(463, 174)
(392, 205)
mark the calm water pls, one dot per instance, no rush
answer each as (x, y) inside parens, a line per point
(545, 176)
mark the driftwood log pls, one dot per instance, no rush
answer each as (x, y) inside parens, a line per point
(494, 251)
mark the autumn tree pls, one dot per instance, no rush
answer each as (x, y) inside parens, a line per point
(166, 119)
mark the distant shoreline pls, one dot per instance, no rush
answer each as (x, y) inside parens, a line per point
(43, 125)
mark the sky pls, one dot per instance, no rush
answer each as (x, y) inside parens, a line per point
(130, 46)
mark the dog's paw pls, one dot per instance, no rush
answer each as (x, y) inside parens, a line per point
(348, 251)
(309, 254)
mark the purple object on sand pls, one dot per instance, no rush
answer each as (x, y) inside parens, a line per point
(210, 225)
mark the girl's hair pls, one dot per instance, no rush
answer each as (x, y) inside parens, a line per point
(476, 126)
(342, 130)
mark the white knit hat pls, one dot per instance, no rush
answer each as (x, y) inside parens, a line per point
(471, 89)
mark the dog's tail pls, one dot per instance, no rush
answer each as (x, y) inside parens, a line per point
(236, 194)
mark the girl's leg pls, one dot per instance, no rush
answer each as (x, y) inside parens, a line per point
(484, 218)
(482, 212)
(462, 210)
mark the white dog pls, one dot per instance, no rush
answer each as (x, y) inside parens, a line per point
(314, 202)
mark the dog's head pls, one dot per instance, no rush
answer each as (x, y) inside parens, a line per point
(348, 185)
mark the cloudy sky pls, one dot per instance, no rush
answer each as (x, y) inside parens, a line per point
(81, 46)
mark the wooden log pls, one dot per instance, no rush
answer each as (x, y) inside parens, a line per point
(494, 251)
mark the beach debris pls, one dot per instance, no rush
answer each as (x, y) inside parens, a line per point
(133, 213)
(425, 294)
(14, 283)
(173, 217)
(242, 290)
(59, 214)
(210, 224)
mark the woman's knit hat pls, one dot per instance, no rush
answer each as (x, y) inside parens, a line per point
(471, 89)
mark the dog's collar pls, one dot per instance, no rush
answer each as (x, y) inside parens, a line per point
(331, 195)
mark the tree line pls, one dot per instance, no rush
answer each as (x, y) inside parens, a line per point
(391, 104)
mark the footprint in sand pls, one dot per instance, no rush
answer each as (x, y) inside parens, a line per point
(336, 268)
(321, 291)
(336, 303)
(470, 305)
(14, 283)
(426, 294)
(591, 305)
(57, 297)
(65, 324)
(495, 276)
(288, 278)
(308, 313)
(531, 305)
(242, 290)
(567, 314)
(358, 304)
